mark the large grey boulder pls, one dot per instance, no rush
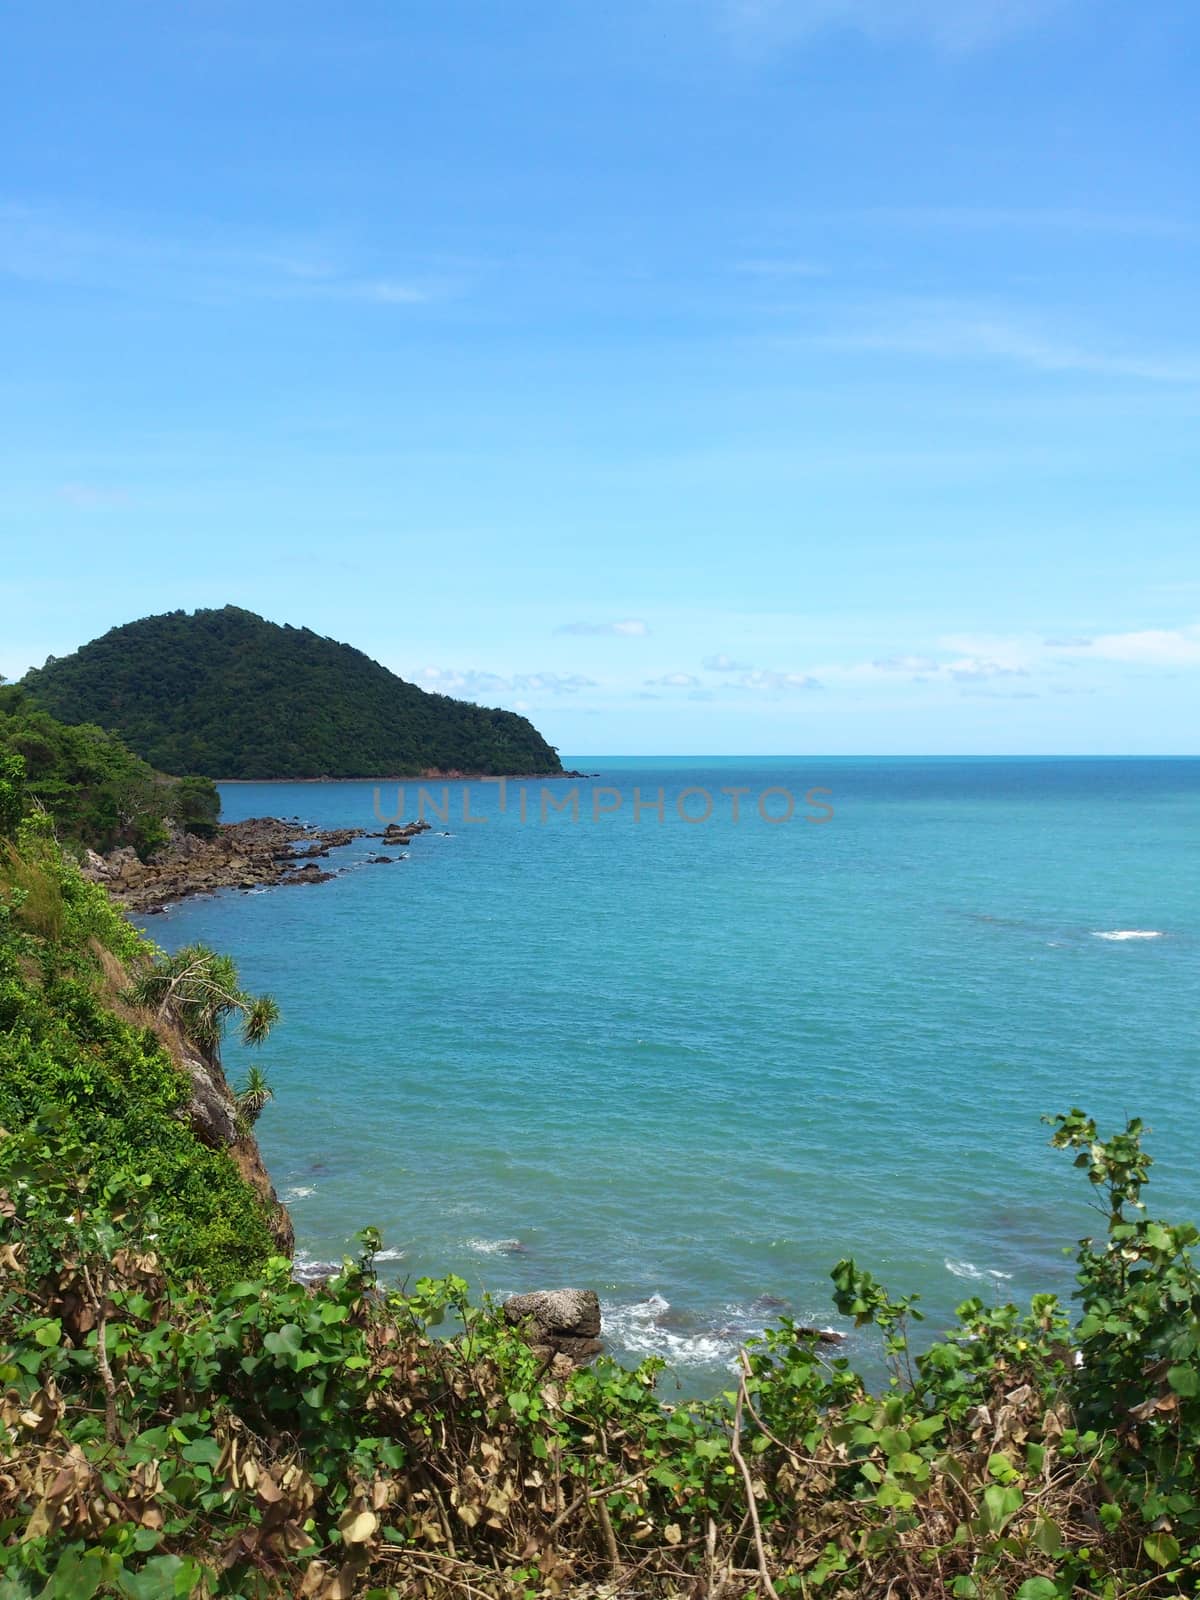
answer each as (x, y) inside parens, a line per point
(561, 1321)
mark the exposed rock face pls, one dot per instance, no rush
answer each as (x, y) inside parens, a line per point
(562, 1322)
(401, 833)
(213, 1114)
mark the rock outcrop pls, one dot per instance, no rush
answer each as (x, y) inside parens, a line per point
(258, 853)
(402, 832)
(563, 1322)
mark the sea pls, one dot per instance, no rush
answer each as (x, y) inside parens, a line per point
(689, 1030)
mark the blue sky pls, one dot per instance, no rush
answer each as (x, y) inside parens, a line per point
(696, 375)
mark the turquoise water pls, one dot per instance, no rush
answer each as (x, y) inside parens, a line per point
(692, 1065)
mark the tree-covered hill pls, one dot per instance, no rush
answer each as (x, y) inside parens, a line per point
(229, 694)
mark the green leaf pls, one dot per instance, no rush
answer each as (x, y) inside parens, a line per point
(1162, 1548)
(163, 1578)
(288, 1341)
(1038, 1589)
(999, 1504)
(1047, 1535)
(1185, 1381)
(202, 1452)
(77, 1577)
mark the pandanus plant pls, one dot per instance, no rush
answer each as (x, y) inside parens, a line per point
(253, 1095)
(202, 991)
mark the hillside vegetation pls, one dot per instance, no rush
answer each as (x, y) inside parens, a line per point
(178, 1417)
(96, 791)
(229, 694)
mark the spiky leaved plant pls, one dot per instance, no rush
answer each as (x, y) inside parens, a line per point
(202, 990)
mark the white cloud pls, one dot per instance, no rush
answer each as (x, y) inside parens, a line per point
(972, 669)
(673, 680)
(1151, 647)
(910, 665)
(628, 628)
(760, 680)
(488, 686)
(723, 663)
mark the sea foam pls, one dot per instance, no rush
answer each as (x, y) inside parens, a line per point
(968, 1269)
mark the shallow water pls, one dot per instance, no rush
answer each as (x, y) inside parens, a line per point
(692, 1065)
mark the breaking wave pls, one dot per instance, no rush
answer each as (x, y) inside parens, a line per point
(968, 1269)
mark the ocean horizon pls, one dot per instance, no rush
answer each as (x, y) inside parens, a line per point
(688, 1050)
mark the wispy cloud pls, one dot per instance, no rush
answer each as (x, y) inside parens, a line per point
(741, 676)
(628, 628)
(947, 331)
(674, 680)
(481, 686)
(954, 26)
(764, 681)
(1150, 647)
(1137, 647)
(44, 246)
(1066, 219)
(786, 267)
(92, 496)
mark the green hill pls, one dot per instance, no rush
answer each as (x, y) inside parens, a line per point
(229, 694)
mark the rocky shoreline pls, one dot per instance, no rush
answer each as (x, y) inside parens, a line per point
(428, 774)
(262, 852)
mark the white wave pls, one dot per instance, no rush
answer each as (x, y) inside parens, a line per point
(306, 1268)
(641, 1330)
(1118, 935)
(299, 1191)
(968, 1269)
(391, 1255)
(495, 1247)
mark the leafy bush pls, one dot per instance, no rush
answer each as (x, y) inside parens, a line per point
(271, 1440)
(113, 1086)
(97, 792)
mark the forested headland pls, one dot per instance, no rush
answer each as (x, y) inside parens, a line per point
(228, 694)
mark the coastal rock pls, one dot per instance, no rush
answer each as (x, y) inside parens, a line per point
(401, 833)
(94, 867)
(211, 1110)
(563, 1322)
(239, 855)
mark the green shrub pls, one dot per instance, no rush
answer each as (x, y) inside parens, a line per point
(268, 1440)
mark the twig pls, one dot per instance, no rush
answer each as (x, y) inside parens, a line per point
(442, 1577)
(610, 1538)
(581, 1500)
(100, 1307)
(751, 1504)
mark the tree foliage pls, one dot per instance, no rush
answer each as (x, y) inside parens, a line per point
(73, 1050)
(97, 791)
(232, 695)
(201, 989)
